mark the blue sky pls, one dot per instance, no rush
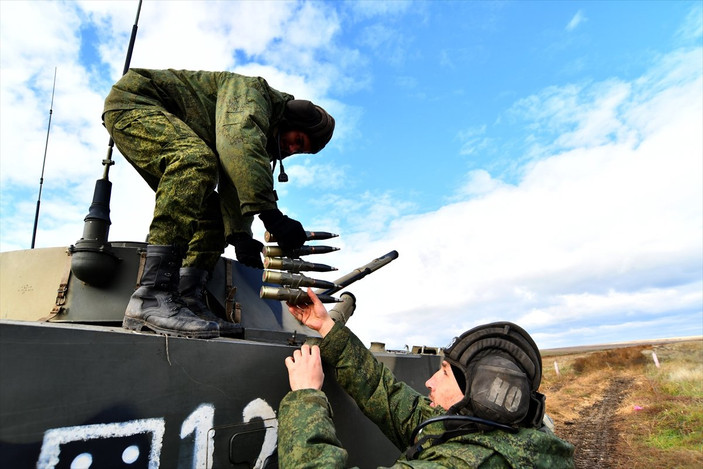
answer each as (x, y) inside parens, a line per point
(537, 162)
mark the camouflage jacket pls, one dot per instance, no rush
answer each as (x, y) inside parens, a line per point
(307, 436)
(235, 115)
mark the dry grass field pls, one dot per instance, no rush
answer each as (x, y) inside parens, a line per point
(620, 409)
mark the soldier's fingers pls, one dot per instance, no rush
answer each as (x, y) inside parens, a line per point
(313, 296)
(315, 351)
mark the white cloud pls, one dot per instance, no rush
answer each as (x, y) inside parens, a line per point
(77, 143)
(307, 172)
(473, 140)
(602, 230)
(599, 238)
(479, 182)
(692, 27)
(576, 20)
(39, 36)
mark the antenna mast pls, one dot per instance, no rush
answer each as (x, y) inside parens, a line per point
(92, 259)
(41, 179)
(107, 162)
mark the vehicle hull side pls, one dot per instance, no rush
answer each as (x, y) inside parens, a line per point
(68, 391)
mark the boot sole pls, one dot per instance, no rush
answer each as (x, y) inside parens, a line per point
(137, 325)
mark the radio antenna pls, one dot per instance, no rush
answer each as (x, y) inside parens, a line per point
(41, 179)
(92, 259)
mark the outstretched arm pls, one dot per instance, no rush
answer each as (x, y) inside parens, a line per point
(306, 433)
(313, 315)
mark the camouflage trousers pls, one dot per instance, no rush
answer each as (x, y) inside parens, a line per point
(183, 171)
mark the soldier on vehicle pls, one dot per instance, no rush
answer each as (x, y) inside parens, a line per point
(188, 133)
(483, 409)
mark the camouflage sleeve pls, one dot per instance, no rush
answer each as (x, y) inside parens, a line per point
(392, 405)
(243, 119)
(306, 434)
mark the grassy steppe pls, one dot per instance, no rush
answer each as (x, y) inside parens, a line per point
(658, 421)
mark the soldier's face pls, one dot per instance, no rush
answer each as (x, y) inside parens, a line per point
(444, 390)
(294, 141)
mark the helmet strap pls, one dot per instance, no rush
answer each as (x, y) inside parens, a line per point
(282, 176)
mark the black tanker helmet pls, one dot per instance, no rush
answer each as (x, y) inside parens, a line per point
(499, 368)
(313, 120)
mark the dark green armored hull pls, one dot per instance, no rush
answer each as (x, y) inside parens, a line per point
(76, 388)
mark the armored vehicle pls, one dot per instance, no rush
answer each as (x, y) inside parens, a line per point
(78, 390)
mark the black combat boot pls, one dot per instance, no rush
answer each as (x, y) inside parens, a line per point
(157, 305)
(192, 290)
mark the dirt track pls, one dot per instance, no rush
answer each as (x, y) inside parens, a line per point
(594, 433)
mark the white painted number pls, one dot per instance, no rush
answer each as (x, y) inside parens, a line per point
(260, 408)
(198, 424)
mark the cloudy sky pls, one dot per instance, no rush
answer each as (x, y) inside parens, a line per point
(536, 162)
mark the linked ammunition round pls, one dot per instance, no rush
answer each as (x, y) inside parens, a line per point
(310, 236)
(295, 265)
(294, 280)
(292, 295)
(275, 251)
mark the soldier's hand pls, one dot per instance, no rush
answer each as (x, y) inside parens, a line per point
(289, 233)
(247, 249)
(314, 315)
(305, 368)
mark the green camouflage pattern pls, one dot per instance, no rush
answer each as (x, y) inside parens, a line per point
(188, 133)
(397, 409)
(306, 434)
